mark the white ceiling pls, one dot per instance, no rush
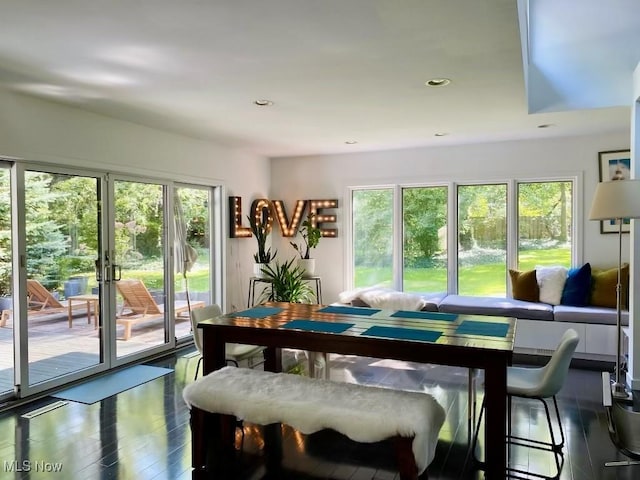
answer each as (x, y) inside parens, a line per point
(336, 70)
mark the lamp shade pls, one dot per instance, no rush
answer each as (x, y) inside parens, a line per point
(616, 199)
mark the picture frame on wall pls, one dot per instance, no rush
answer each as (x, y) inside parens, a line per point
(614, 165)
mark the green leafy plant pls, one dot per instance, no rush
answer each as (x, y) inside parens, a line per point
(261, 232)
(287, 283)
(310, 238)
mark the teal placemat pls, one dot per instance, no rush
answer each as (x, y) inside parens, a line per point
(443, 317)
(402, 333)
(489, 329)
(349, 310)
(316, 326)
(258, 312)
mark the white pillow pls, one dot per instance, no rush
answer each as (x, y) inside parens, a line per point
(551, 282)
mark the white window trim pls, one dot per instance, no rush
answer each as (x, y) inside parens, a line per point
(577, 223)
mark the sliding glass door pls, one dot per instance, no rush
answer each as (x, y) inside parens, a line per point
(138, 267)
(193, 251)
(6, 288)
(62, 241)
(98, 270)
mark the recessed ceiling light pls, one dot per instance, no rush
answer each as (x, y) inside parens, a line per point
(440, 134)
(546, 125)
(263, 102)
(351, 142)
(438, 82)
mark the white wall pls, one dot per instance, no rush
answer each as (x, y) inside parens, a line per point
(329, 176)
(42, 131)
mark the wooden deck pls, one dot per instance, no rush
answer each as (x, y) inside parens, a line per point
(55, 349)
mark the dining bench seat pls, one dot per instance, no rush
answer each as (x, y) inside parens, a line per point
(362, 413)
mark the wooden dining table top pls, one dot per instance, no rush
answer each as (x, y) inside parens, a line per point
(355, 324)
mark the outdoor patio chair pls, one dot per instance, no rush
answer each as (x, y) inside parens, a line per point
(41, 300)
(138, 305)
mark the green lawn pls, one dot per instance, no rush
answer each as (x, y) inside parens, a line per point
(484, 279)
(154, 280)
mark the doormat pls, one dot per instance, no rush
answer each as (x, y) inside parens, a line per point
(111, 384)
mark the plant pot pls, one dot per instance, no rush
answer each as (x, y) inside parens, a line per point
(6, 303)
(71, 288)
(308, 266)
(257, 269)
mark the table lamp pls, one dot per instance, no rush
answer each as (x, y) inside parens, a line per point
(617, 200)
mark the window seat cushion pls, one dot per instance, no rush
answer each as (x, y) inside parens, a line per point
(591, 314)
(500, 306)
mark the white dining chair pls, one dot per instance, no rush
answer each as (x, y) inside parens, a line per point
(234, 352)
(539, 383)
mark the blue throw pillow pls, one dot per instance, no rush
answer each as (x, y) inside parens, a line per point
(577, 287)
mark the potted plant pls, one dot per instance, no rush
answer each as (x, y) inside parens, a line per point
(310, 238)
(263, 256)
(6, 302)
(287, 283)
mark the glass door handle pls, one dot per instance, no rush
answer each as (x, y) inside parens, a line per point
(98, 270)
(116, 272)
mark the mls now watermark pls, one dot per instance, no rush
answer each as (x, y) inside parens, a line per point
(32, 466)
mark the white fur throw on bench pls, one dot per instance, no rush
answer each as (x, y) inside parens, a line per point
(362, 413)
(382, 297)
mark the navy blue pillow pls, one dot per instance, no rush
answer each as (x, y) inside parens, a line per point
(577, 287)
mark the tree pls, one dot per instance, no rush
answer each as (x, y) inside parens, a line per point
(424, 213)
(44, 238)
(373, 227)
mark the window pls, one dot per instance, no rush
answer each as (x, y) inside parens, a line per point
(399, 234)
(193, 277)
(482, 239)
(372, 212)
(424, 217)
(544, 224)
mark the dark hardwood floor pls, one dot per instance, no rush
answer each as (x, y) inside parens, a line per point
(143, 433)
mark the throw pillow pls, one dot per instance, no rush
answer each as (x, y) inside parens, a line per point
(524, 285)
(603, 287)
(551, 283)
(577, 287)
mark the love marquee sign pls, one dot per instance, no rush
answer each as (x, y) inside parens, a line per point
(264, 211)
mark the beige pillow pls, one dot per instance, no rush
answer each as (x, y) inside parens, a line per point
(603, 287)
(524, 285)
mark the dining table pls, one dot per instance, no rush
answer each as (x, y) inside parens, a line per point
(475, 342)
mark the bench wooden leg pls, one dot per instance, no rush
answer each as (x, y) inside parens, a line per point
(273, 450)
(199, 428)
(212, 444)
(405, 460)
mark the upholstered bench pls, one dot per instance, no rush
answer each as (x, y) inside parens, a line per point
(362, 413)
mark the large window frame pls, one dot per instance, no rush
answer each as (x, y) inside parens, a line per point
(452, 224)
